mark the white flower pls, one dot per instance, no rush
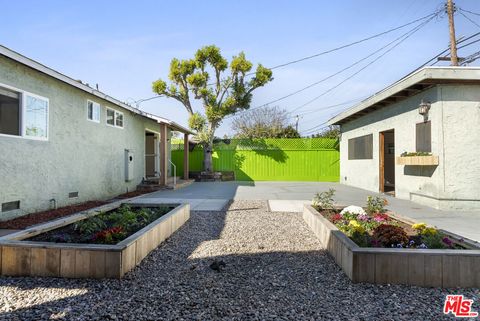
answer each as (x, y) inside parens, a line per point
(354, 210)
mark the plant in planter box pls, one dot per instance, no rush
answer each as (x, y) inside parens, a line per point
(376, 205)
(390, 236)
(407, 154)
(324, 200)
(110, 235)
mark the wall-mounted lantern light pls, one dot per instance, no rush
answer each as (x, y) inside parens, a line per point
(423, 108)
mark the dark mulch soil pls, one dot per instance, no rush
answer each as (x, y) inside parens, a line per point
(45, 216)
(133, 194)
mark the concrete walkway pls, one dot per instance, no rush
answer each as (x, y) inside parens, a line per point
(290, 196)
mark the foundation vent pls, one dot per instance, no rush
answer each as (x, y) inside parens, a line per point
(72, 194)
(10, 206)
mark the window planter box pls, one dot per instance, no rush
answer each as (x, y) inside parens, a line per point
(428, 268)
(71, 260)
(418, 160)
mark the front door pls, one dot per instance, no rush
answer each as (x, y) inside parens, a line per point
(387, 162)
(151, 155)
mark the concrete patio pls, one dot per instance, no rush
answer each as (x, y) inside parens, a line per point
(290, 196)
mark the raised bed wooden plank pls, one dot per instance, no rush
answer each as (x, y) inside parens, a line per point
(113, 264)
(97, 264)
(433, 270)
(416, 269)
(67, 263)
(45, 262)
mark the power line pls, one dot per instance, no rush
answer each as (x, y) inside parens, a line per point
(328, 77)
(446, 50)
(405, 37)
(468, 18)
(354, 43)
(477, 14)
(327, 51)
(312, 111)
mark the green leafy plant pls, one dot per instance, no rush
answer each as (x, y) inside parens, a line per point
(324, 200)
(406, 154)
(91, 225)
(389, 235)
(434, 241)
(376, 205)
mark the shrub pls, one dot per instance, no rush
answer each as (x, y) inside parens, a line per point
(324, 200)
(376, 205)
(390, 235)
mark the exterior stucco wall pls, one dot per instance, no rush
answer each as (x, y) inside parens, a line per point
(454, 116)
(80, 155)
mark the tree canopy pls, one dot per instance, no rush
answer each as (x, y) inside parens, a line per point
(266, 122)
(223, 88)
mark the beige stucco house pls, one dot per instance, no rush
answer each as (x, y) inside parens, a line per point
(433, 112)
(64, 142)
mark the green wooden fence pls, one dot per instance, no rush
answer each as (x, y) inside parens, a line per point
(285, 159)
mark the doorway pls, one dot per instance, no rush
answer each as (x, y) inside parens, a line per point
(152, 155)
(387, 162)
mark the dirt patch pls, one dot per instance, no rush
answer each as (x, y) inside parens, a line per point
(45, 216)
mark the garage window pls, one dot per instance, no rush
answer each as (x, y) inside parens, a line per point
(360, 147)
(424, 137)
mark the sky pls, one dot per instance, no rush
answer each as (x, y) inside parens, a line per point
(123, 46)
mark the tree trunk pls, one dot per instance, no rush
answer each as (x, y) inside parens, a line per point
(208, 148)
(207, 157)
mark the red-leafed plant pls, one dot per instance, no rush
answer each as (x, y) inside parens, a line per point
(336, 218)
(389, 235)
(110, 235)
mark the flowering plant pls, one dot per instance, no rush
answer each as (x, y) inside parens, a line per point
(381, 218)
(354, 210)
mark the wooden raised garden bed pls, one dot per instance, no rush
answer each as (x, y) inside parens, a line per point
(421, 267)
(418, 160)
(22, 256)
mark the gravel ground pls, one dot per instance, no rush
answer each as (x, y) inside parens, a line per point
(275, 269)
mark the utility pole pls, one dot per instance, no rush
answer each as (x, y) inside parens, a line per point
(296, 123)
(453, 42)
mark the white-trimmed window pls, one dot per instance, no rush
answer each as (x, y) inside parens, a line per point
(114, 118)
(93, 111)
(23, 114)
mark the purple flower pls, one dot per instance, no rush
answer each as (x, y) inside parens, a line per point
(447, 241)
(362, 217)
(422, 246)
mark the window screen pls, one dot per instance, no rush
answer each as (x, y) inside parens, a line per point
(111, 117)
(424, 137)
(36, 117)
(360, 147)
(9, 112)
(93, 111)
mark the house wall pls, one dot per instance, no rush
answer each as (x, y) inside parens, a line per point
(454, 116)
(80, 155)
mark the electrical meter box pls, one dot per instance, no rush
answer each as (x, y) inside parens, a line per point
(129, 161)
